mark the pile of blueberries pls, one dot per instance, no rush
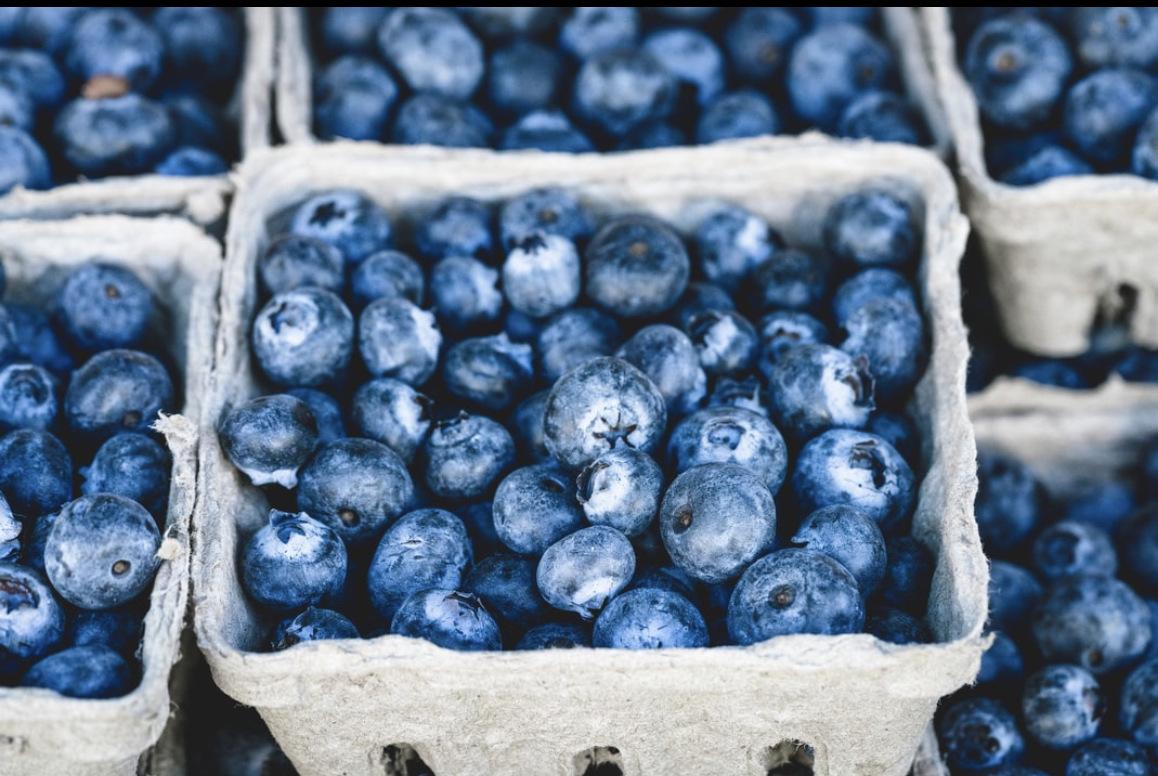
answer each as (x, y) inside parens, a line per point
(1063, 91)
(580, 79)
(1070, 683)
(529, 427)
(89, 92)
(84, 482)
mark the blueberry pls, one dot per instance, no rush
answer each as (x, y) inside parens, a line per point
(572, 337)
(869, 284)
(422, 549)
(1093, 621)
(292, 562)
(846, 466)
(28, 397)
(303, 337)
(545, 130)
(590, 30)
(534, 507)
(715, 519)
(830, 66)
(738, 114)
(399, 339)
(1054, 162)
(131, 465)
(294, 260)
(1068, 547)
(748, 394)
(1014, 592)
(781, 330)
(1018, 67)
(456, 226)
(541, 274)
(353, 98)
(1062, 706)
(1010, 501)
(93, 671)
(908, 574)
(556, 635)
(101, 306)
(790, 279)
(726, 342)
(620, 89)
(602, 404)
(357, 487)
(500, 23)
(465, 295)
(584, 570)
(432, 51)
(448, 618)
(190, 161)
(1103, 111)
(693, 58)
(203, 44)
(37, 73)
(35, 472)
(351, 29)
(545, 210)
(978, 734)
(25, 164)
(102, 551)
(621, 489)
(10, 530)
(759, 40)
(794, 591)
(1115, 36)
(200, 122)
(326, 411)
(849, 535)
(732, 242)
(47, 27)
(882, 116)
(347, 219)
(1105, 505)
(1137, 708)
(636, 266)
(1002, 671)
(814, 387)
(394, 413)
(669, 358)
(648, 618)
(896, 626)
(730, 435)
(31, 619)
(431, 119)
(899, 430)
(890, 335)
(522, 77)
(653, 134)
(506, 585)
(526, 426)
(120, 628)
(116, 42)
(269, 438)
(313, 624)
(872, 228)
(387, 273)
(121, 135)
(1104, 755)
(465, 456)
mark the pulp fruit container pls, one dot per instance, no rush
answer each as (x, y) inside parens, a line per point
(1062, 255)
(357, 706)
(202, 199)
(43, 733)
(297, 66)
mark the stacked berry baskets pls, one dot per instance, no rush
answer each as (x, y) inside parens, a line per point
(745, 704)
(74, 719)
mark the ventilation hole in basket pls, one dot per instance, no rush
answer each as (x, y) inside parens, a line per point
(1111, 326)
(789, 758)
(402, 760)
(599, 761)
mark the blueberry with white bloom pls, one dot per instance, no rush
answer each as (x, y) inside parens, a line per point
(1094, 621)
(294, 260)
(465, 296)
(491, 373)
(326, 411)
(293, 561)
(881, 115)
(456, 226)
(636, 266)
(715, 519)
(32, 619)
(102, 551)
(313, 624)
(584, 570)
(94, 671)
(726, 342)
(544, 210)
(831, 65)
(432, 119)
(852, 537)
(695, 60)
(24, 164)
(1071, 547)
(648, 618)
(101, 306)
(303, 337)
(899, 431)
(28, 397)
(507, 587)
(979, 734)
(464, 456)
(353, 96)
(394, 413)
(791, 279)
(117, 390)
(449, 618)
(783, 329)
(814, 387)
(601, 405)
(347, 219)
(535, 506)
(872, 228)
(387, 273)
(748, 394)
(589, 30)
(621, 488)
(759, 40)
(522, 76)
(1062, 706)
(424, 548)
(545, 130)
(269, 438)
(573, 336)
(732, 242)
(794, 591)
(1103, 754)
(432, 50)
(846, 466)
(131, 465)
(737, 114)
(890, 334)
(399, 339)
(869, 284)
(541, 274)
(35, 472)
(670, 358)
(115, 42)
(351, 29)
(1137, 710)
(1014, 592)
(730, 435)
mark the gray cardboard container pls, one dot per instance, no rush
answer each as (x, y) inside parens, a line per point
(295, 72)
(1059, 253)
(43, 733)
(202, 199)
(337, 707)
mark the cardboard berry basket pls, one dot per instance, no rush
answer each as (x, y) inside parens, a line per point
(202, 199)
(1061, 254)
(296, 69)
(43, 733)
(350, 706)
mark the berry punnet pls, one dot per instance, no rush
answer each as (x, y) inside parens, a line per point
(563, 429)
